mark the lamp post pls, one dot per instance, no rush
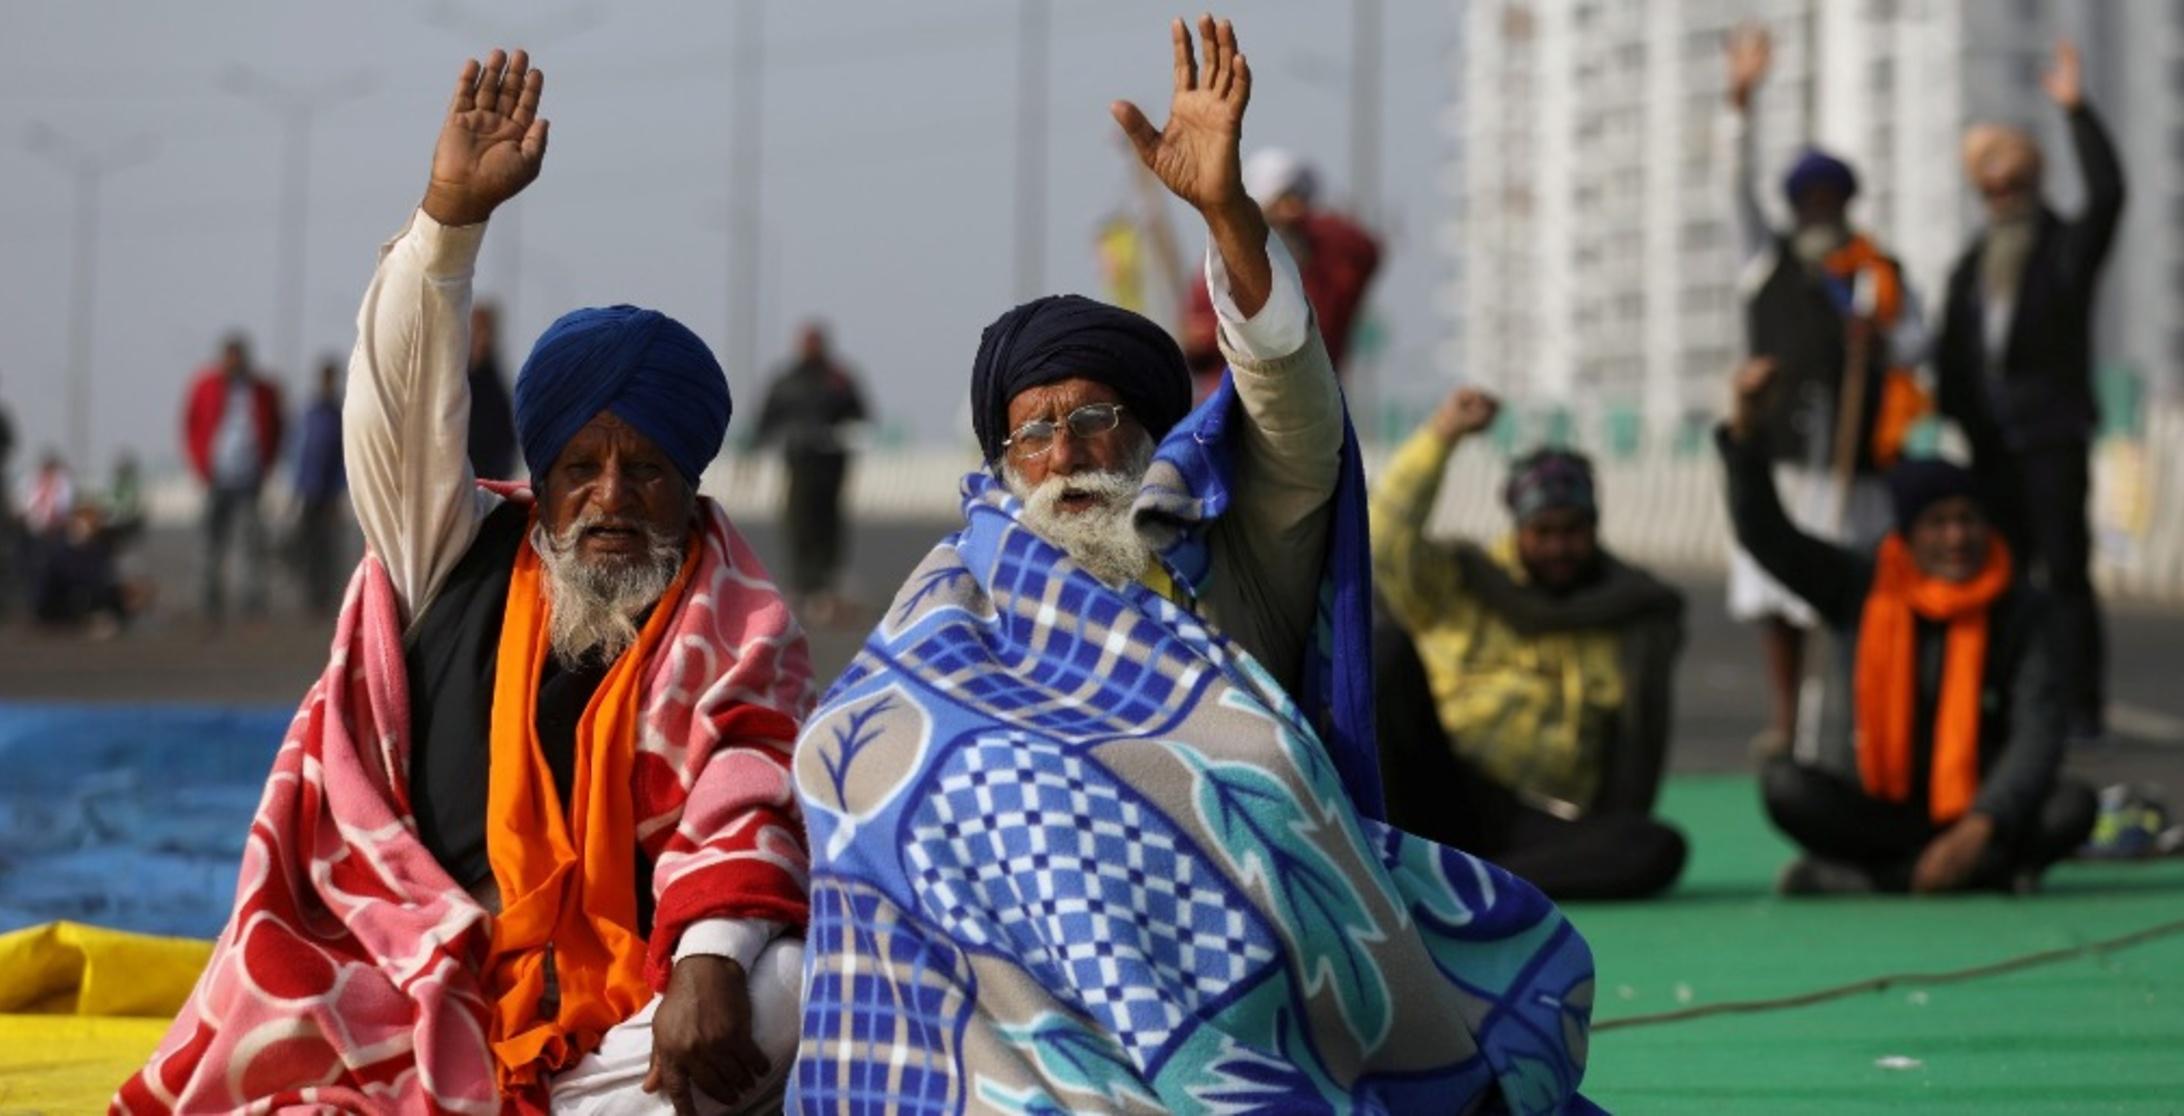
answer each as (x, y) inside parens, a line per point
(297, 108)
(87, 168)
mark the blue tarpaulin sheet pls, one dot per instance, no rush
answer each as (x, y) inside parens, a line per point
(128, 816)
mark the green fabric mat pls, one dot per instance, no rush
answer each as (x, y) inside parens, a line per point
(2101, 1033)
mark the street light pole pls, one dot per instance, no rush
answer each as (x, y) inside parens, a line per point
(1365, 107)
(746, 180)
(87, 170)
(297, 108)
(1031, 147)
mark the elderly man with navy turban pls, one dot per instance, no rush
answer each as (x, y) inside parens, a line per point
(533, 843)
(1095, 816)
(1820, 299)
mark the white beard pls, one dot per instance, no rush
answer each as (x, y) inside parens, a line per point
(595, 607)
(1100, 538)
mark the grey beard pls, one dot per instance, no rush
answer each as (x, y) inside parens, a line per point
(1101, 538)
(595, 607)
(1814, 242)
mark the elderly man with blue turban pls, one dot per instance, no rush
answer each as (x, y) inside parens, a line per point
(532, 844)
(1095, 814)
(1843, 325)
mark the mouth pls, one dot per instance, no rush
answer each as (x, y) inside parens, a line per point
(1076, 502)
(609, 538)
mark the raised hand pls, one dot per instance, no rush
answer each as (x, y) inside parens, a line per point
(1465, 412)
(1748, 51)
(493, 141)
(1195, 155)
(2065, 79)
(1748, 392)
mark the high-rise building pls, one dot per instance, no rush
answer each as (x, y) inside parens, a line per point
(1593, 241)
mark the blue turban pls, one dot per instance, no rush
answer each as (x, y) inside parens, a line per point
(645, 367)
(1818, 168)
(1060, 337)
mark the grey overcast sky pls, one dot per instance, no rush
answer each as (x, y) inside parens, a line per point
(886, 199)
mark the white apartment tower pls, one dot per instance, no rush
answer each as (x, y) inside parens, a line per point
(1593, 246)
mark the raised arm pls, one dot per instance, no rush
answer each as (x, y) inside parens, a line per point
(1829, 578)
(1748, 53)
(405, 428)
(1416, 577)
(2094, 231)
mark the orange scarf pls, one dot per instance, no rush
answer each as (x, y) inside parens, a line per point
(1887, 677)
(566, 875)
(1903, 402)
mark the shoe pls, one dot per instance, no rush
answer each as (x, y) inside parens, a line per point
(2132, 823)
(1810, 875)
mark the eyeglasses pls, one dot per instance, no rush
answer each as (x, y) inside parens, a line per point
(1035, 438)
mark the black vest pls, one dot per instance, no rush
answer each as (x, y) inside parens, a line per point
(1795, 319)
(451, 656)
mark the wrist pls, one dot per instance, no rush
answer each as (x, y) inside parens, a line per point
(453, 209)
(1237, 217)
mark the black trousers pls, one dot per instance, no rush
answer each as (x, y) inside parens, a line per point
(318, 542)
(1434, 793)
(1833, 818)
(814, 519)
(2039, 500)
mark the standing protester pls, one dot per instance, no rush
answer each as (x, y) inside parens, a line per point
(231, 429)
(10, 544)
(1336, 258)
(2016, 364)
(1523, 688)
(1820, 298)
(1940, 770)
(320, 481)
(807, 407)
(492, 416)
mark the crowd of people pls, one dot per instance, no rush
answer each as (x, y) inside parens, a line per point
(1192, 770)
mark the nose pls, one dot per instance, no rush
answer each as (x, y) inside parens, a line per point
(614, 493)
(1068, 454)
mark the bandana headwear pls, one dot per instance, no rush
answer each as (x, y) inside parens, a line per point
(1921, 482)
(646, 368)
(1817, 168)
(1060, 337)
(1548, 479)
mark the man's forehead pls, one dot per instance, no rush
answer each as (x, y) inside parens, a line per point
(607, 428)
(1076, 391)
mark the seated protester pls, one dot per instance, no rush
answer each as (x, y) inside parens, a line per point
(1943, 774)
(1524, 689)
(1094, 814)
(531, 842)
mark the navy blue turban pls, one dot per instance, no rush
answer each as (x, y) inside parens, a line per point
(1918, 483)
(1061, 337)
(646, 368)
(1817, 168)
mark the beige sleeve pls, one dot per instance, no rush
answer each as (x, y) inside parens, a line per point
(406, 417)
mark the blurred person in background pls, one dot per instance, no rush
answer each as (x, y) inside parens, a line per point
(124, 499)
(80, 582)
(1523, 689)
(1843, 325)
(1937, 766)
(48, 496)
(2016, 364)
(492, 416)
(11, 543)
(319, 483)
(807, 411)
(231, 431)
(1336, 258)
(530, 843)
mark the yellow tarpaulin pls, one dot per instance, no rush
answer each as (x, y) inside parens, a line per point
(81, 1009)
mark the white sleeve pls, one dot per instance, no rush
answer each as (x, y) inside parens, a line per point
(737, 939)
(1277, 330)
(406, 419)
(1754, 238)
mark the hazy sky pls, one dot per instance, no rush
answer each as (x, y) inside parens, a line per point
(887, 193)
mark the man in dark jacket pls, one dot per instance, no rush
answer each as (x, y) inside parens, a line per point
(806, 409)
(1940, 772)
(2016, 361)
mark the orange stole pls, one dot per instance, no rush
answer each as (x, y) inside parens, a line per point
(1887, 677)
(1902, 402)
(567, 881)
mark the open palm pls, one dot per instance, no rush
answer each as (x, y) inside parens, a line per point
(493, 141)
(1195, 155)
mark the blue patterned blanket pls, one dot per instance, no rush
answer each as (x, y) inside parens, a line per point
(1073, 850)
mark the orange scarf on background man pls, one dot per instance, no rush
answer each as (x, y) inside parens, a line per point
(566, 872)
(1903, 402)
(1887, 677)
